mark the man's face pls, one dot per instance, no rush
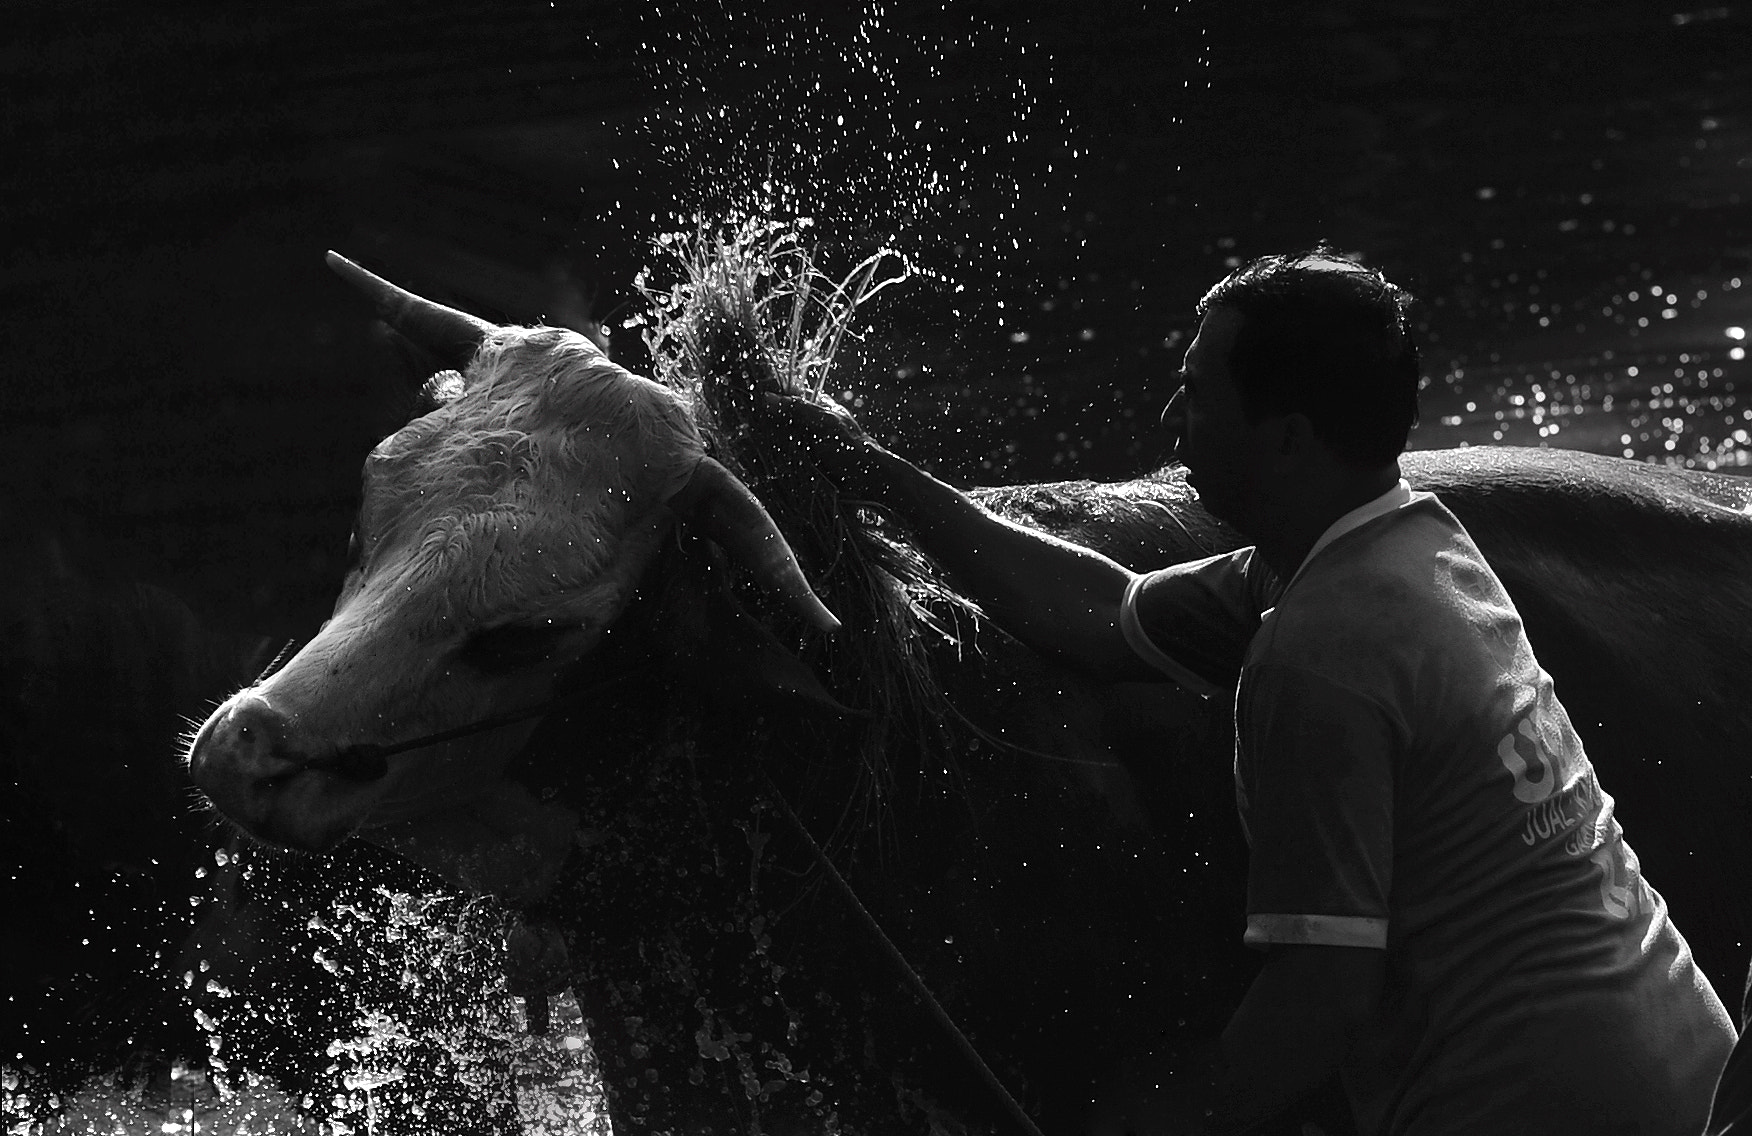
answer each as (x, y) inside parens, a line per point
(1213, 438)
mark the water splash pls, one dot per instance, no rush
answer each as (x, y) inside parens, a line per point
(880, 127)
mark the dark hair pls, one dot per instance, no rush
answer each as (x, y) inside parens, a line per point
(1328, 338)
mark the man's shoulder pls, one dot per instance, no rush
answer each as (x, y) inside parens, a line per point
(1391, 554)
(1194, 621)
(1381, 590)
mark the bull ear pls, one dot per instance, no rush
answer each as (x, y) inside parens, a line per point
(724, 509)
(742, 663)
(725, 654)
(451, 335)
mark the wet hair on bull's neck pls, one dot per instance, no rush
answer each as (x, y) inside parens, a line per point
(1329, 338)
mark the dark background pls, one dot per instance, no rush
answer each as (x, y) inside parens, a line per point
(187, 391)
(186, 394)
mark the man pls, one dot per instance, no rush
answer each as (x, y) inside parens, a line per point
(1450, 916)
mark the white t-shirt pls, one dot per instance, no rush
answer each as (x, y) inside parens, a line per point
(1408, 780)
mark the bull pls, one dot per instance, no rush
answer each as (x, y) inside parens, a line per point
(576, 663)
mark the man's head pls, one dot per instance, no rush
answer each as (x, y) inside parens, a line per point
(1328, 338)
(1298, 345)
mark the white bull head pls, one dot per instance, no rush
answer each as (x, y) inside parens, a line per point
(499, 537)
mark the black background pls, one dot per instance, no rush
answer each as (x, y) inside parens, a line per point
(186, 390)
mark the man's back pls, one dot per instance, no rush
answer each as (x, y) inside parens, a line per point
(1407, 774)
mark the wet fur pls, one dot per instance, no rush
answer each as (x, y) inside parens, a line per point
(541, 409)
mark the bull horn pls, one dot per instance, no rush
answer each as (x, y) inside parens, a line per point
(451, 335)
(730, 514)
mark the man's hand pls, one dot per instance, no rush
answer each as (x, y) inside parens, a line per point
(1293, 1029)
(1055, 596)
(830, 436)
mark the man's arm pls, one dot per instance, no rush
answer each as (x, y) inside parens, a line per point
(1057, 597)
(1293, 1029)
(1316, 762)
(1060, 598)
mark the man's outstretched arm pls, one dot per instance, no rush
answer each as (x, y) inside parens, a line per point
(1059, 598)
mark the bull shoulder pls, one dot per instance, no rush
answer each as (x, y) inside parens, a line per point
(1638, 572)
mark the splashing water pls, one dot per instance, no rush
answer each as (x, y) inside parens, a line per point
(762, 278)
(939, 135)
(851, 116)
(435, 1043)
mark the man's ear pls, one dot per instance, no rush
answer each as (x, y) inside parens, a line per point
(1295, 438)
(1284, 441)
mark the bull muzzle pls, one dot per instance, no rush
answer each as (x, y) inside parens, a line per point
(247, 761)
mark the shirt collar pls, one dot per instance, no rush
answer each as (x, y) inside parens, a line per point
(1395, 498)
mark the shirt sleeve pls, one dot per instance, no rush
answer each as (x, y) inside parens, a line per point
(1314, 771)
(1193, 621)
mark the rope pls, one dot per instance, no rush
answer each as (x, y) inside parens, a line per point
(369, 761)
(910, 976)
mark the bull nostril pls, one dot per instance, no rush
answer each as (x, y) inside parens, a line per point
(253, 722)
(242, 738)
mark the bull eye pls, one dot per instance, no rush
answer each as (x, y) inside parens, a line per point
(514, 646)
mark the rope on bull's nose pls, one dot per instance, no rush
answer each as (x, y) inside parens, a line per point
(909, 976)
(363, 762)
(369, 761)
(279, 660)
